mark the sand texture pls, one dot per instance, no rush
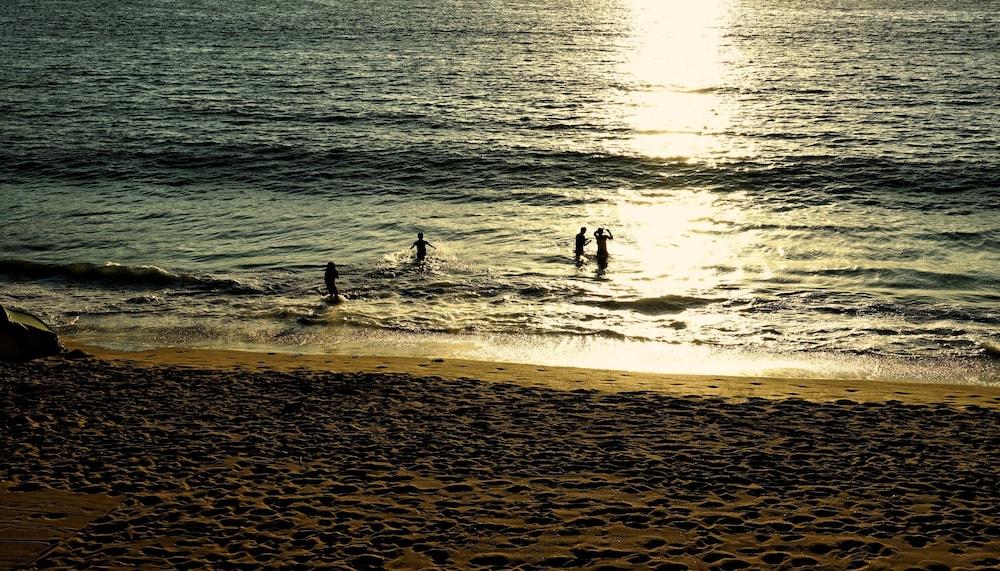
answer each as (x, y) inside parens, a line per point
(239, 469)
(564, 378)
(33, 522)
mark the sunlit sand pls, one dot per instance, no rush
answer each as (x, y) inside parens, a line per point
(256, 459)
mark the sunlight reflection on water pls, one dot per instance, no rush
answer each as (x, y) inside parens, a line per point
(675, 61)
(779, 177)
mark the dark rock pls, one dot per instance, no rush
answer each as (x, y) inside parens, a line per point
(24, 336)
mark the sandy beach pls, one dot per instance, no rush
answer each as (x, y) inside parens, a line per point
(230, 460)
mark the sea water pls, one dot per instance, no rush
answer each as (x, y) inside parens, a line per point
(793, 186)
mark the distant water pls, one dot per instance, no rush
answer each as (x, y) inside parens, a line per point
(794, 187)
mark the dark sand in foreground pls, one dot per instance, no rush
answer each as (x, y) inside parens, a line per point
(280, 464)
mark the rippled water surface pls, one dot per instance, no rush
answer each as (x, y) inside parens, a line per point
(793, 187)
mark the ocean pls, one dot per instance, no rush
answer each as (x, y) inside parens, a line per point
(794, 187)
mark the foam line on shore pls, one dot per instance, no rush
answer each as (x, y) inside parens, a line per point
(567, 378)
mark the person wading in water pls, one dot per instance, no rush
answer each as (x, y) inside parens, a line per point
(581, 242)
(602, 236)
(330, 277)
(421, 246)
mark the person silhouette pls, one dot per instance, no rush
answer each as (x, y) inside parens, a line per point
(421, 246)
(602, 236)
(581, 242)
(330, 277)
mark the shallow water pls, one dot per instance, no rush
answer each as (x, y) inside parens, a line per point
(794, 188)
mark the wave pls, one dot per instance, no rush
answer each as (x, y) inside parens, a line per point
(117, 274)
(654, 305)
(449, 170)
(916, 311)
(905, 278)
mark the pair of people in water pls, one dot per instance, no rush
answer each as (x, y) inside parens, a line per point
(601, 236)
(331, 274)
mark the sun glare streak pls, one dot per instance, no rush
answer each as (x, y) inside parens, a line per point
(673, 68)
(679, 248)
(677, 44)
(681, 243)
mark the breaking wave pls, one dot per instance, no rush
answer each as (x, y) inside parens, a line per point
(118, 274)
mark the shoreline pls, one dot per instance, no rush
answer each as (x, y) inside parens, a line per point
(227, 459)
(563, 378)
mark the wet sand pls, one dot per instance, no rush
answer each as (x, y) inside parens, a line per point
(241, 460)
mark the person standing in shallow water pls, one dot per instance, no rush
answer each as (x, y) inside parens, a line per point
(330, 277)
(602, 236)
(421, 246)
(581, 242)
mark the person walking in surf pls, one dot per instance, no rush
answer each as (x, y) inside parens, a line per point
(330, 277)
(421, 246)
